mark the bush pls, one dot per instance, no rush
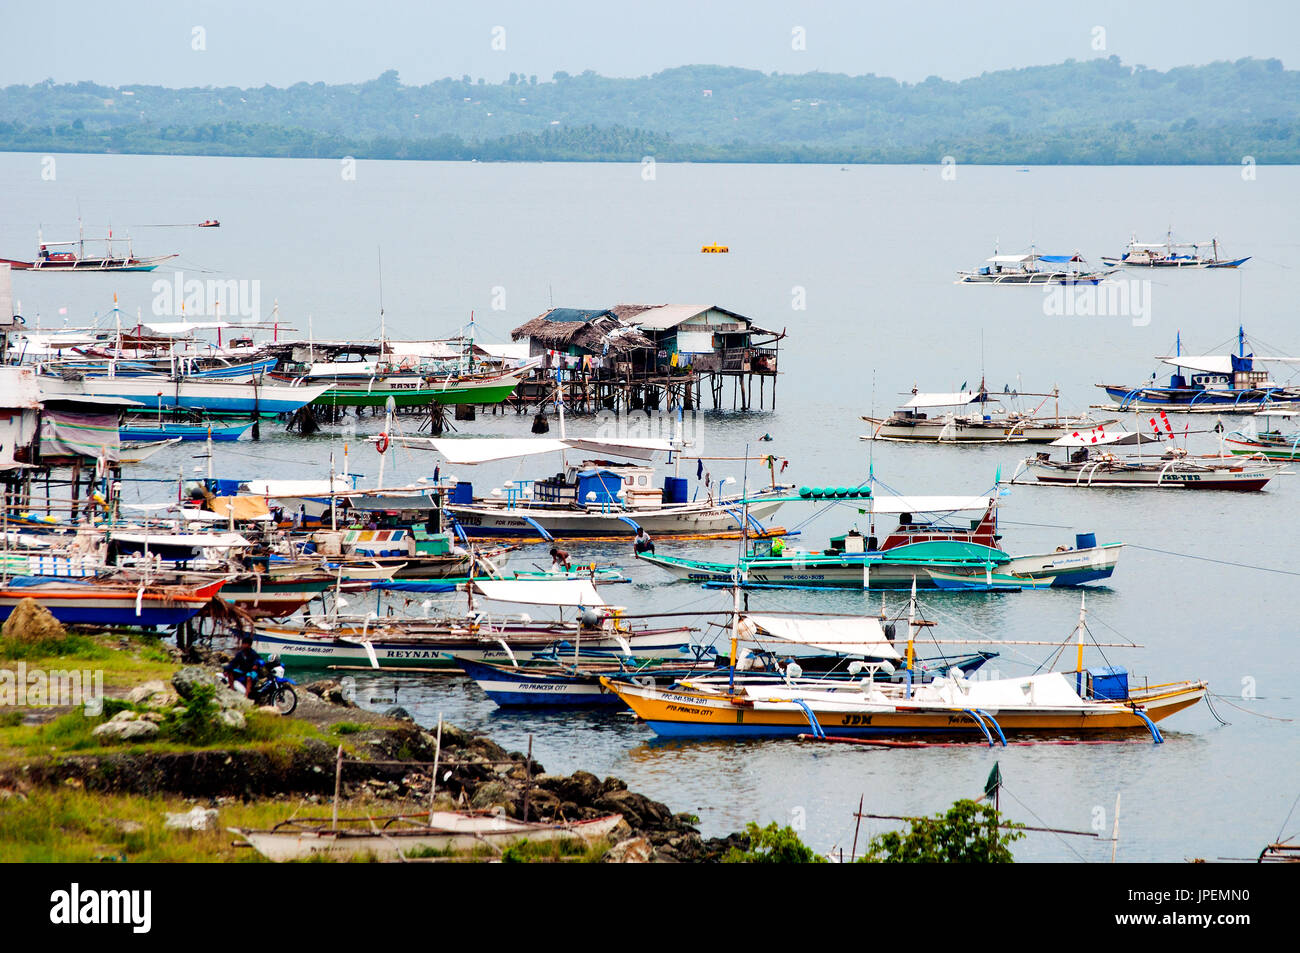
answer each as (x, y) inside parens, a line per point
(196, 721)
(773, 845)
(969, 833)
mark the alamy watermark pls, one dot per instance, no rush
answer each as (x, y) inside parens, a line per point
(25, 687)
(225, 299)
(1122, 298)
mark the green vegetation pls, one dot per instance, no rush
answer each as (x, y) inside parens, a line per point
(125, 660)
(773, 845)
(1098, 111)
(968, 833)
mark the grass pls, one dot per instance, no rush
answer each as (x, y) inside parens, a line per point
(141, 659)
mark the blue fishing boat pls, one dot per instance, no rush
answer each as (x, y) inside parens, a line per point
(146, 429)
(1210, 383)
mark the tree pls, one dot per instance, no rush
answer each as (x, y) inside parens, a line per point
(968, 833)
(773, 845)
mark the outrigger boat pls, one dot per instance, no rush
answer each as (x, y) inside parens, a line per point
(256, 398)
(1089, 462)
(399, 642)
(109, 600)
(1274, 444)
(1087, 702)
(145, 428)
(1170, 254)
(1218, 383)
(1026, 270)
(137, 451)
(72, 256)
(930, 553)
(911, 423)
(415, 390)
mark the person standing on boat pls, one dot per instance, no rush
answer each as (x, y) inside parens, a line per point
(644, 544)
(559, 560)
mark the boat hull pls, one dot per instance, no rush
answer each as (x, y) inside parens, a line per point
(1242, 479)
(688, 519)
(72, 604)
(189, 394)
(971, 432)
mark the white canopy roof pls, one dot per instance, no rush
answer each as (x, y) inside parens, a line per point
(1009, 259)
(185, 327)
(1210, 363)
(296, 488)
(858, 636)
(196, 540)
(943, 400)
(928, 504)
(1100, 437)
(547, 592)
(468, 451)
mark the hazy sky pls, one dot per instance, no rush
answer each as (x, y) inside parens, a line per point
(253, 42)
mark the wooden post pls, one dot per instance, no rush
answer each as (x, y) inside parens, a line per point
(338, 779)
(528, 776)
(437, 755)
(856, 824)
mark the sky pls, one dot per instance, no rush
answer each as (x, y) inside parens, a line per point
(281, 42)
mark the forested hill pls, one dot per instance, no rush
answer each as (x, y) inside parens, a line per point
(1097, 111)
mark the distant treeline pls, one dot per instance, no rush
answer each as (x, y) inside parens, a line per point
(1093, 112)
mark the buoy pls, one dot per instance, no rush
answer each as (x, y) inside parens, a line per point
(381, 443)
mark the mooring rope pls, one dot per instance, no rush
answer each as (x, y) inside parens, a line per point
(1208, 559)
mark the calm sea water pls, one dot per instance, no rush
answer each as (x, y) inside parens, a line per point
(858, 265)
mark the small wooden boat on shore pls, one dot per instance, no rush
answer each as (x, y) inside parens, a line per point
(408, 836)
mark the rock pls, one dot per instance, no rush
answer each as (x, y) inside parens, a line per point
(199, 819)
(31, 622)
(164, 699)
(398, 713)
(611, 784)
(637, 809)
(636, 850)
(187, 678)
(453, 737)
(228, 699)
(125, 715)
(131, 730)
(269, 710)
(231, 718)
(145, 690)
(320, 686)
(489, 795)
(155, 716)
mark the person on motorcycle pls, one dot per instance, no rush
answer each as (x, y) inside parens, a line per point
(246, 665)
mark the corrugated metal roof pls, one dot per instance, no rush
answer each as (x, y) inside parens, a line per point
(659, 317)
(574, 315)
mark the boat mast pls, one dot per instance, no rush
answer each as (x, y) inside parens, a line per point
(1078, 641)
(911, 639)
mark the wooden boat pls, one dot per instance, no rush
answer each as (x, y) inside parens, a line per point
(152, 428)
(1272, 444)
(190, 394)
(555, 679)
(400, 837)
(1217, 383)
(1088, 701)
(72, 256)
(1089, 462)
(912, 424)
(138, 451)
(416, 390)
(404, 642)
(1171, 254)
(928, 552)
(278, 591)
(100, 601)
(1027, 270)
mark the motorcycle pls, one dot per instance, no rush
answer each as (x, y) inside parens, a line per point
(274, 688)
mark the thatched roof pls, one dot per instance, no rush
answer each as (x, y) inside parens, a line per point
(594, 331)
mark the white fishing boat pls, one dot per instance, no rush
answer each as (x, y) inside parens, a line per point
(1028, 270)
(1088, 460)
(138, 451)
(975, 417)
(1172, 254)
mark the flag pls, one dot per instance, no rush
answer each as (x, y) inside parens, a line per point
(994, 782)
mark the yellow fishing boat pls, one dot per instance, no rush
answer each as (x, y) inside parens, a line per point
(715, 249)
(1086, 701)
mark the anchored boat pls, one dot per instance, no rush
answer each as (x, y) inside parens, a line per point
(986, 422)
(72, 256)
(1028, 270)
(1172, 254)
(1272, 443)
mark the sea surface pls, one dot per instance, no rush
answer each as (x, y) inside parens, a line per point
(857, 265)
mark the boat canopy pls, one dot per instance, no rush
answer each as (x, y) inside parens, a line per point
(1060, 259)
(533, 592)
(862, 635)
(1210, 363)
(195, 540)
(928, 504)
(943, 400)
(468, 451)
(185, 327)
(1009, 259)
(1099, 436)
(297, 488)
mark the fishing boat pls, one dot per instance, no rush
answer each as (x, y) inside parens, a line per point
(256, 398)
(1216, 383)
(73, 256)
(1085, 702)
(1272, 443)
(929, 551)
(277, 591)
(1172, 254)
(105, 601)
(404, 642)
(138, 451)
(148, 428)
(986, 422)
(406, 836)
(1088, 461)
(1028, 270)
